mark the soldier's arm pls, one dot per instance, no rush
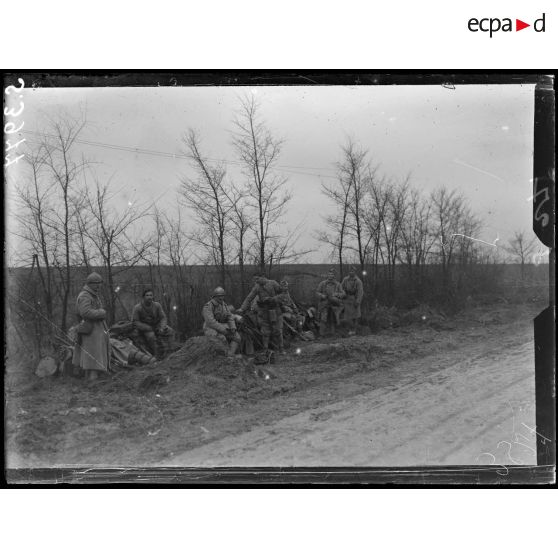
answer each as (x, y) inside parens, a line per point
(339, 292)
(291, 303)
(86, 311)
(320, 290)
(360, 291)
(251, 295)
(209, 318)
(231, 323)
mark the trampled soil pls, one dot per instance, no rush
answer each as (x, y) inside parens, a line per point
(194, 407)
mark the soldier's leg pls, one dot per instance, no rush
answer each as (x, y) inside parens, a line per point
(323, 320)
(278, 333)
(331, 320)
(234, 344)
(164, 341)
(266, 331)
(150, 341)
(337, 315)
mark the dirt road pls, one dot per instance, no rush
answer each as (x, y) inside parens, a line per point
(436, 391)
(476, 411)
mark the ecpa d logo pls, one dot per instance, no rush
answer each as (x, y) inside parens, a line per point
(494, 24)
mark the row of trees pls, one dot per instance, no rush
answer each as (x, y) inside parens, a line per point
(240, 222)
(385, 224)
(70, 220)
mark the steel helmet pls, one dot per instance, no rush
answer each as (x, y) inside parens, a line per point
(219, 291)
(94, 278)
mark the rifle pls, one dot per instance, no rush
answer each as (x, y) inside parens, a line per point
(247, 327)
(293, 330)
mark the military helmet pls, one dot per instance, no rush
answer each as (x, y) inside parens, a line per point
(219, 291)
(94, 278)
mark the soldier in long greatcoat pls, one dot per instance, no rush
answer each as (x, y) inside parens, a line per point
(352, 286)
(92, 350)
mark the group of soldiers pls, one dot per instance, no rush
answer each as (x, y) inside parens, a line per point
(268, 307)
(274, 307)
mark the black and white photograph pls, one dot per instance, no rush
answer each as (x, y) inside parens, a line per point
(262, 275)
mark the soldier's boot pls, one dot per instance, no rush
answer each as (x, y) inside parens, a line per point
(151, 344)
(323, 328)
(232, 348)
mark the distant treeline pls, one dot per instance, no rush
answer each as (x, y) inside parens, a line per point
(411, 245)
(183, 295)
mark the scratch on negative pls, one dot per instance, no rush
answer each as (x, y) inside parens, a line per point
(477, 169)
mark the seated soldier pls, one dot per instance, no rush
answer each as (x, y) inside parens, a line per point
(290, 312)
(219, 321)
(150, 322)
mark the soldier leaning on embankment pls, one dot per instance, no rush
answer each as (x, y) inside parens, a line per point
(92, 349)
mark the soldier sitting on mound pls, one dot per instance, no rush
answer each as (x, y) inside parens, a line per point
(219, 321)
(150, 322)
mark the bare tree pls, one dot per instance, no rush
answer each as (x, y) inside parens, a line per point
(392, 224)
(447, 208)
(110, 231)
(64, 172)
(337, 223)
(346, 228)
(241, 226)
(375, 222)
(416, 236)
(206, 197)
(355, 172)
(35, 212)
(455, 226)
(259, 151)
(49, 214)
(521, 248)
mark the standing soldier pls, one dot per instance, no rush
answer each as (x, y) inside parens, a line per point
(352, 286)
(330, 295)
(92, 350)
(268, 310)
(150, 321)
(219, 321)
(289, 311)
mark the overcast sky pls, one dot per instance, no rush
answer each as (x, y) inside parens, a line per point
(477, 139)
